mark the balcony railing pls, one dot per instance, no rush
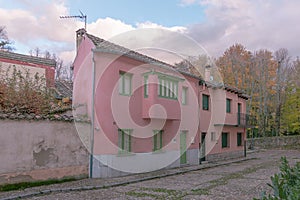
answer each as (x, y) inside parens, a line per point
(246, 120)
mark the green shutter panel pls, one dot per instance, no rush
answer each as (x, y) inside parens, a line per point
(239, 139)
(129, 142)
(155, 142)
(123, 140)
(160, 145)
(224, 139)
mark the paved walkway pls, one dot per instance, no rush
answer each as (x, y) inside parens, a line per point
(235, 179)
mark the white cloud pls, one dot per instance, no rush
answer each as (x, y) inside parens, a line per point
(108, 27)
(255, 23)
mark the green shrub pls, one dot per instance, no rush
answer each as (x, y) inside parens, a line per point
(285, 184)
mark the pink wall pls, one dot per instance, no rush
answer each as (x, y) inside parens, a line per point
(111, 107)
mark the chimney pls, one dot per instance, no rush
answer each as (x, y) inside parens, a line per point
(80, 34)
(207, 75)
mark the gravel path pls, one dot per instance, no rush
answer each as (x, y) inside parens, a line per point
(235, 179)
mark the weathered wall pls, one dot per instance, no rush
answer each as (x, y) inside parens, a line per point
(39, 150)
(275, 142)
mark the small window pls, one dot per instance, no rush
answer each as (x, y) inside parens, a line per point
(146, 87)
(205, 102)
(125, 83)
(225, 140)
(124, 140)
(184, 95)
(213, 136)
(228, 105)
(157, 140)
(239, 139)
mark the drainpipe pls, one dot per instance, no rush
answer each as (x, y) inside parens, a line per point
(93, 117)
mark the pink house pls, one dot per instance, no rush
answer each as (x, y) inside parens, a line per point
(146, 115)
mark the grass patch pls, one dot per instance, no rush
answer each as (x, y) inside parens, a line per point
(161, 190)
(141, 194)
(24, 185)
(200, 191)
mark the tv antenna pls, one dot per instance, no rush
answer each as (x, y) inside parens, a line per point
(81, 16)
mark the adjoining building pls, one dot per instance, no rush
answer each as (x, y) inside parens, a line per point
(44, 67)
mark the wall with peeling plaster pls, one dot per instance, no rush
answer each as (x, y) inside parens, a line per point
(40, 150)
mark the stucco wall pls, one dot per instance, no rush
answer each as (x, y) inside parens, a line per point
(275, 142)
(39, 150)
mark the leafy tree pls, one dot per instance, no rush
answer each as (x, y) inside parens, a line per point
(291, 107)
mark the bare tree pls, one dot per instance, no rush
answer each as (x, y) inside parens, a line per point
(283, 60)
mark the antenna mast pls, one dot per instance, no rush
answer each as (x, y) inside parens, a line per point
(82, 16)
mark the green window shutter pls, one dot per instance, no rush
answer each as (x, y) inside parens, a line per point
(123, 140)
(205, 102)
(228, 105)
(160, 141)
(155, 141)
(184, 96)
(167, 88)
(146, 87)
(239, 139)
(224, 140)
(129, 142)
(125, 83)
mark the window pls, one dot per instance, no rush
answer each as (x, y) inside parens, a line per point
(184, 95)
(225, 140)
(146, 87)
(157, 140)
(205, 102)
(125, 83)
(124, 140)
(228, 105)
(213, 136)
(239, 139)
(167, 88)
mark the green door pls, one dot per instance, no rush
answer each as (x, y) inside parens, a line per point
(183, 147)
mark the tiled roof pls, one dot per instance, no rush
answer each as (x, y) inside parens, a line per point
(63, 88)
(27, 58)
(106, 46)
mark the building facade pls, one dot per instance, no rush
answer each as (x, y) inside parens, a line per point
(146, 115)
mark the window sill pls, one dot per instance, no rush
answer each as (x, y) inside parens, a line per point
(164, 97)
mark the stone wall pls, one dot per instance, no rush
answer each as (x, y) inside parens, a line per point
(224, 156)
(40, 150)
(275, 142)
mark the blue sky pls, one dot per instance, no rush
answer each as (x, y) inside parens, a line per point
(214, 24)
(164, 12)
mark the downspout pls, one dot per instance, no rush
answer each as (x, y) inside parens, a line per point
(92, 117)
